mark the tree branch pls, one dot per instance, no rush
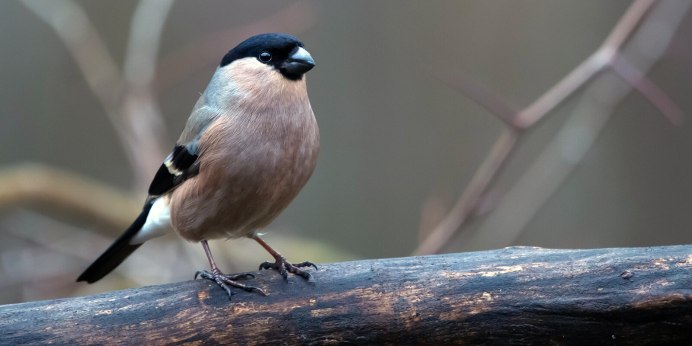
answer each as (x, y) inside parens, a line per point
(513, 295)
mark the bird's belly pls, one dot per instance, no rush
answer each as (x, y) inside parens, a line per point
(233, 198)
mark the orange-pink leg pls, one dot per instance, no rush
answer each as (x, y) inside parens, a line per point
(280, 264)
(224, 280)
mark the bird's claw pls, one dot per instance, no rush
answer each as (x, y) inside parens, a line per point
(242, 276)
(224, 281)
(284, 267)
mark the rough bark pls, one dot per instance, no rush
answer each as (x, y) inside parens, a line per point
(515, 295)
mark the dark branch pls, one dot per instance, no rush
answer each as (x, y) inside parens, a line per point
(508, 296)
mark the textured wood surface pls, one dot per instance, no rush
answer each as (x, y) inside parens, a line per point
(624, 296)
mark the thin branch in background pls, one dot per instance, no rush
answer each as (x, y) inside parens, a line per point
(59, 192)
(648, 89)
(588, 69)
(88, 49)
(140, 109)
(143, 43)
(526, 118)
(481, 96)
(466, 204)
(563, 154)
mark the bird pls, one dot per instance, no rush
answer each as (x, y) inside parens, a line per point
(249, 146)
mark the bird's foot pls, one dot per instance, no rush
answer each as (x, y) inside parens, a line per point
(224, 281)
(284, 267)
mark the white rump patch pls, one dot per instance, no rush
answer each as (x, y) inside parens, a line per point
(157, 224)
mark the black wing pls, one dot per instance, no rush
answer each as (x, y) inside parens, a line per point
(180, 165)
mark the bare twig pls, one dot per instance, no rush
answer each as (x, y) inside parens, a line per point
(526, 118)
(648, 89)
(589, 68)
(140, 111)
(104, 78)
(479, 183)
(66, 193)
(484, 98)
(563, 154)
(89, 51)
(143, 44)
(87, 47)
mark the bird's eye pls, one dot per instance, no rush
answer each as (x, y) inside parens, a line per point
(265, 57)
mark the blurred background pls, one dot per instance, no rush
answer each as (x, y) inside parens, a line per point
(93, 95)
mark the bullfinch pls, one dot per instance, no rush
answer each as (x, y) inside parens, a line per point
(249, 146)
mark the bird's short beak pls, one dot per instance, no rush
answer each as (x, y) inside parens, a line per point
(299, 62)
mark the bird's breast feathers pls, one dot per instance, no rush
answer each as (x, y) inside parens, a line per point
(253, 162)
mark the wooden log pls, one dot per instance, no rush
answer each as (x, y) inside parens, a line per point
(516, 295)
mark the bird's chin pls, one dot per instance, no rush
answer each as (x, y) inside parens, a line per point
(295, 70)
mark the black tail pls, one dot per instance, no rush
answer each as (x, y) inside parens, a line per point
(118, 251)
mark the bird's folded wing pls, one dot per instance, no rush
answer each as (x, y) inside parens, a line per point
(180, 165)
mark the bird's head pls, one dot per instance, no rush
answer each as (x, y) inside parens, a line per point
(282, 53)
(262, 68)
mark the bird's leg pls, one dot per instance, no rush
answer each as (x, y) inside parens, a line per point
(280, 264)
(224, 280)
